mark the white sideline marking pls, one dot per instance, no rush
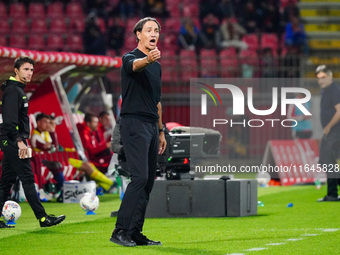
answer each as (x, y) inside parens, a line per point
(330, 229)
(275, 243)
(256, 249)
(294, 239)
(87, 232)
(310, 235)
(236, 254)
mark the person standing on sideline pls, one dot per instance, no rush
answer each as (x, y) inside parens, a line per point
(141, 131)
(303, 129)
(15, 130)
(330, 143)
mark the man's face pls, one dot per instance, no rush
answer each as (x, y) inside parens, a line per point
(324, 79)
(24, 73)
(43, 124)
(106, 121)
(149, 35)
(93, 125)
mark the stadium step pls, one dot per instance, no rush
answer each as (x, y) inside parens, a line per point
(324, 44)
(323, 30)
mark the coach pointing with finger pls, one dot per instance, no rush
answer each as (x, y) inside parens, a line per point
(141, 131)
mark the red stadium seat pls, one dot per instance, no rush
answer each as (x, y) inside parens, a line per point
(229, 63)
(131, 22)
(190, 10)
(17, 10)
(171, 25)
(111, 53)
(250, 63)
(168, 62)
(270, 41)
(4, 27)
(3, 41)
(252, 41)
(55, 10)
(174, 10)
(74, 43)
(39, 26)
(74, 10)
(209, 64)
(76, 25)
(55, 42)
(58, 26)
(130, 41)
(188, 65)
(101, 24)
(17, 41)
(3, 10)
(36, 10)
(36, 42)
(19, 26)
(169, 42)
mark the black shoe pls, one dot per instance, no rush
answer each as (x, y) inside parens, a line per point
(120, 237)
(328, 199)
(3, 225)
(141, 239)
(51, 220)
(60, 198)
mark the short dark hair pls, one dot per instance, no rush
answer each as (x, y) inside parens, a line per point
(323, 69)
(103, 113)
(140, 24)
(41, 116)
(22, 60)
(88, 117)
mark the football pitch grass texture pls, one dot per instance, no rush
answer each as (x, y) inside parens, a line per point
(306, 228)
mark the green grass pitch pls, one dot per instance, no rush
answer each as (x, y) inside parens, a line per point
(306, 228)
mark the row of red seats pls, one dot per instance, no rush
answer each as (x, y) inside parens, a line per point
(266, 40)
(51, 42)
(39, 26)
(226, 63)
(69, 172)
(38, 10)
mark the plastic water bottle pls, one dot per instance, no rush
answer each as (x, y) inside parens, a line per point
(317, 184)
(260, 204)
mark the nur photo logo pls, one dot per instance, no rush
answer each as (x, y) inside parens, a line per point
(244, 101)
(204, 96)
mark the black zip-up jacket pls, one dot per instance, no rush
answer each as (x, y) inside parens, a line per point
(14, 110)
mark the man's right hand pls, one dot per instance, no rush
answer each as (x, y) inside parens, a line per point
(23, 150)
(154, 55)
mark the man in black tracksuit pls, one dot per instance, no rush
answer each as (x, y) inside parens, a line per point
(330, 121)
(14, 131)
(141, 131)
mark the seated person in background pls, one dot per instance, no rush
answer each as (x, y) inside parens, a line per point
(97, 150)
(295, 35)
(188, 34)
(42, 141)
(53, 133)
(231, 33)
(105, 125)
(209, 34)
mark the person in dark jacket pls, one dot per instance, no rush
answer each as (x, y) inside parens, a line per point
(141, 131)
(330, 121)
(15, 130)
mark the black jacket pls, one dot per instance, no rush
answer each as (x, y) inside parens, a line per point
(14, 110)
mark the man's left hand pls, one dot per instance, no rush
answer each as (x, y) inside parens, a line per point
(162, 143)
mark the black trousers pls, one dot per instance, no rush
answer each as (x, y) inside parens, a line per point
(329, 152)
(140, 140)
(13, 166)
